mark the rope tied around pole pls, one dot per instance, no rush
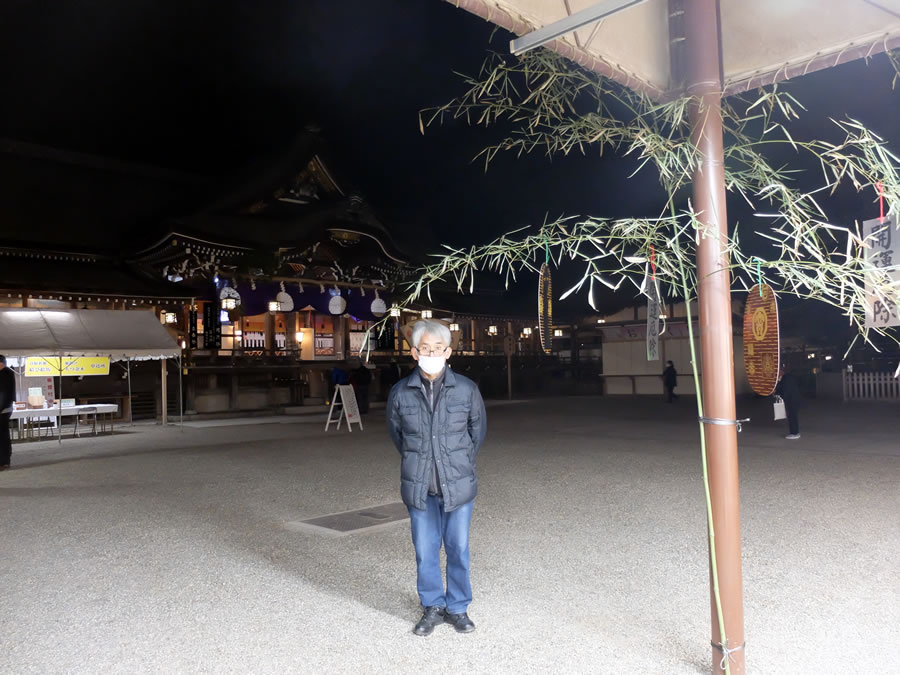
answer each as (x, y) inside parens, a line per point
(727, 652)
(723, 422)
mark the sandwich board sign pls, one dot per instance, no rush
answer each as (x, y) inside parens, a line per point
(345, 405)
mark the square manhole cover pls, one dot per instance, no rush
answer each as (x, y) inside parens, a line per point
(361, 519)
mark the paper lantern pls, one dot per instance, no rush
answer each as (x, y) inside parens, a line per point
(336, 305)
(378, 307)
(285, 302)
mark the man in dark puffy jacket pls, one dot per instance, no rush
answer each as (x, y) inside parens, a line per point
(437, 421)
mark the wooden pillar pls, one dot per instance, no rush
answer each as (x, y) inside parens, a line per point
(233, 392)
(291, 327)
(341, 338)
(509, 331)
(190, 393)
(270, 334)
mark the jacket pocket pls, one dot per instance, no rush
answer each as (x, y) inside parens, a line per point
(457, 417)
(409, 465)
(409, 420)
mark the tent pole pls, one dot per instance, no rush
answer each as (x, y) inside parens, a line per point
(59, 403)
(164, 396)
(130, 408)
(704, 85)
(180, 394)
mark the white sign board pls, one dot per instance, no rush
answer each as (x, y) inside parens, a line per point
(652, 322)
(358, 342)
(345, 405)
(882, 238)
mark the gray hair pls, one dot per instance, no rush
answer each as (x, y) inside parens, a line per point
(432, 328)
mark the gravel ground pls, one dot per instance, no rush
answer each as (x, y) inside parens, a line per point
(162, 551)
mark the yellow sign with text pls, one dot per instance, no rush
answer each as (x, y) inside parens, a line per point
(49, 366)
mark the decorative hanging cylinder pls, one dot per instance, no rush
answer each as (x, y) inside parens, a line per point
(545, 308)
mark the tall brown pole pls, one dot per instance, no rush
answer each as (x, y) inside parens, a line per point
(704, 84)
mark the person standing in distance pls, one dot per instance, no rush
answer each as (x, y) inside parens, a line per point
(788, 388)
(7, 399)
(670, 380)
(437, 421)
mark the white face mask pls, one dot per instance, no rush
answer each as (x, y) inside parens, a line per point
(433, 365)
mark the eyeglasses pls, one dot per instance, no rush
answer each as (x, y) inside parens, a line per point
(437, 350)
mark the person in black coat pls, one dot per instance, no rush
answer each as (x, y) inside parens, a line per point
(7, 399)
(670, 380)
(788, 389)
(361, 379)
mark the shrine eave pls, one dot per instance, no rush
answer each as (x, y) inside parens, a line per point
(32, 272)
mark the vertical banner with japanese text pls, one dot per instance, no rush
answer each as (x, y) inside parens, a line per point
(881, 236)
(212, 329)
(192, 327)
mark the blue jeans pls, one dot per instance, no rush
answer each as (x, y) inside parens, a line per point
(430, 527)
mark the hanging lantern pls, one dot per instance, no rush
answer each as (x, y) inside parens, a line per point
(378, 307)
(337, 304)
(426, 314)
(285, 302)
(545, 308)
(230, 298)
(395, 312)
(454, 327)
(274, 306)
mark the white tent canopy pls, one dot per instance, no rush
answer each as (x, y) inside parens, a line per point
(120, 335)
(763, 41)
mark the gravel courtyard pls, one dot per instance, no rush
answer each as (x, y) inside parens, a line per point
(167, 551)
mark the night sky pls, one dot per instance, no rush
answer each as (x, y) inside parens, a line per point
(205, 86)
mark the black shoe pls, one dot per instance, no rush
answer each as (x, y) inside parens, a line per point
(430, 618)
(461, 622)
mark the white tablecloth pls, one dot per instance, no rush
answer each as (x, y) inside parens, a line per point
(44, 413)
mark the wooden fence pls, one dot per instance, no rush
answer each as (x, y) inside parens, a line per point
(257, 340)
(871, 387)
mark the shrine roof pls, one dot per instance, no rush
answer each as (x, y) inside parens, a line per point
(63, 273)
